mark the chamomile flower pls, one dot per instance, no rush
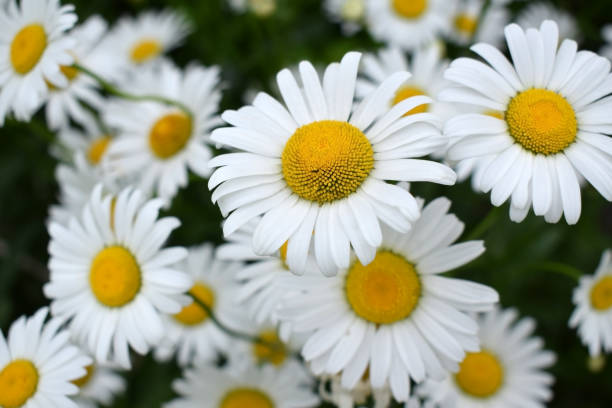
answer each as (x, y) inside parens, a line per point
(350, 13)
(190, 333)
(158, 143)
(261, 8)
(536, 13)
(507, 372)
(409, 24)
(555, 105)
(65, 102)
(469, 28)
(38, 363)
(395, 317)
(110, 277)
(593, 313)
(100, 385)
(606, 33)
(308, 167)
(34, 46)
(238, 387)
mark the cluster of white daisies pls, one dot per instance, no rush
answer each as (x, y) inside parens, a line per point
(332, 273)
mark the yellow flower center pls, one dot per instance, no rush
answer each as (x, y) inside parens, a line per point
(465, 23)
(115, 276)
(410, 8)
(145, 49)
(97, 149)
(273, 351)
(601, 294)
(246, 397)
(353, 10)
(406, 92)
(480, 374)
(384, 291)
(327, 160)
(27, 48)
(170, 134)
(18, 382)
(541, 121)
(193, 313)
(84, 380)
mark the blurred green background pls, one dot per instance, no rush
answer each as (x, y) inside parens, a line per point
(250, 51)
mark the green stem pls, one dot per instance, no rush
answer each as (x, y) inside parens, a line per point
(111, 89)
(484, 225)
(557, 267)
(481, 16)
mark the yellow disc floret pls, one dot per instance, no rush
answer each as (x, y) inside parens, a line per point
(18, 382)
(193, 313)
(409, 8)
(97, 149)
(246, 397)
(480, 374)
(145, 50)
(406, 92)
(115, 276)
(27, 47)
(541, 121)
(601, 294)
(272, 351)
(464, 23)
(170, 134)
(326, 161)
(84, 380)
(384, 291)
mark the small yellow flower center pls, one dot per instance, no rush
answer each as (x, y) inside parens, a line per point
(466, 24)
(262, 8)
(18, 382)
(385, 291)
(480, 374)
(145, 50)
(353, 10)
(406, 92)
(327, 160)
(97, 149)
(115, 276)
(27, 48)
(246, 397)
(84, 380)
(410, 8)
(273, 351)
(601, 294)
(193, 313)
(170, 134)
(541, 121)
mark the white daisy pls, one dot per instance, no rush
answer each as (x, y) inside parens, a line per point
(191, 334)
(468, 28)
(593, 313)
(91, 142)
(254, 387)
(555, 104)
(309, 168)
(261, 8)
(34, 46)
(350, 13)
(535, 13)
(158, 143)
(38, 363)
(409, 24)
(395, 317)
(65, 102)
(606, 33)
(100, 385)
(110, 276)
(508, 372)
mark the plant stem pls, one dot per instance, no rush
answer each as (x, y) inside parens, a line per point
(484, 225)
(113, 90)
(481, 16)
(557, 267)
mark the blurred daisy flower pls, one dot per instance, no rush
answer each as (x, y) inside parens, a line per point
(507, 372)
(555, 104)
(38, 364)
(535, 13)
(261, 8)
(350, 13)
(321, 165)
(606, 33)
(100, 385)
(111, 278)
(593, 313)
(394, 318)
(35, 45)
(468, 27)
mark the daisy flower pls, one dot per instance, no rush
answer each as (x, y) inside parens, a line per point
(65, 102)
(467, 29)
(110, 277)
(253, 386)
(92, 142)
(555, 108)
(409, 24)
(261, 8)
(100, 385)
(593, 313)
(348, 12)
(606, 33)
(158, 143)
(507, 372)
(38, 363)
(395, 318)
(308, 167)
(535, 13)
(34, 44)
